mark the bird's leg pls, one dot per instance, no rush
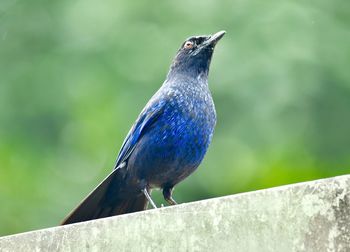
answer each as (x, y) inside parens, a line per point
(145, 192)
(167, 193)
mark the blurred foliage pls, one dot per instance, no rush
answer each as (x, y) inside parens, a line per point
(75, 74)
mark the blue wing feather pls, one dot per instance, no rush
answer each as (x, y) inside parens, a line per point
(147, 117)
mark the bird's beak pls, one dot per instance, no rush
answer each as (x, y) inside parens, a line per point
(213, 39)
(210, 42)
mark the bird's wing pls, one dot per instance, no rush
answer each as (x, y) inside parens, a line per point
(97, 203)
(147, 117)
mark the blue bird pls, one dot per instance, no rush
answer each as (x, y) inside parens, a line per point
(167, 142)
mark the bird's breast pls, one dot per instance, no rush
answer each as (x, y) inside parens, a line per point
(186, 127)
(175, 145)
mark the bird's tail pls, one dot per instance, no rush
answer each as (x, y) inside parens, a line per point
(106, 200)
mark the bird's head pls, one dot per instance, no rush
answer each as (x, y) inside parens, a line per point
(194, 56)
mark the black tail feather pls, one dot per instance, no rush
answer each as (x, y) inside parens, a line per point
(98, 204)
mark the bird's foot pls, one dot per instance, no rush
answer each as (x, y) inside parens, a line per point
(145, 192)
(167, 193)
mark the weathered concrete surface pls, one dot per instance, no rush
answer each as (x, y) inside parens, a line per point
(312, 216)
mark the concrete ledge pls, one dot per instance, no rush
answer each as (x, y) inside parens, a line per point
(312, 216)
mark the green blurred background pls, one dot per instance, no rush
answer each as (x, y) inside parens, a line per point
(74, 74)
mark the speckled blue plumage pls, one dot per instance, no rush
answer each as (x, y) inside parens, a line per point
(173, 132)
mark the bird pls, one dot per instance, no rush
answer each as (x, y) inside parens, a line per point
(167, 142)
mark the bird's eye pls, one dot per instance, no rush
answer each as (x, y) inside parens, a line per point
(188, 45)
